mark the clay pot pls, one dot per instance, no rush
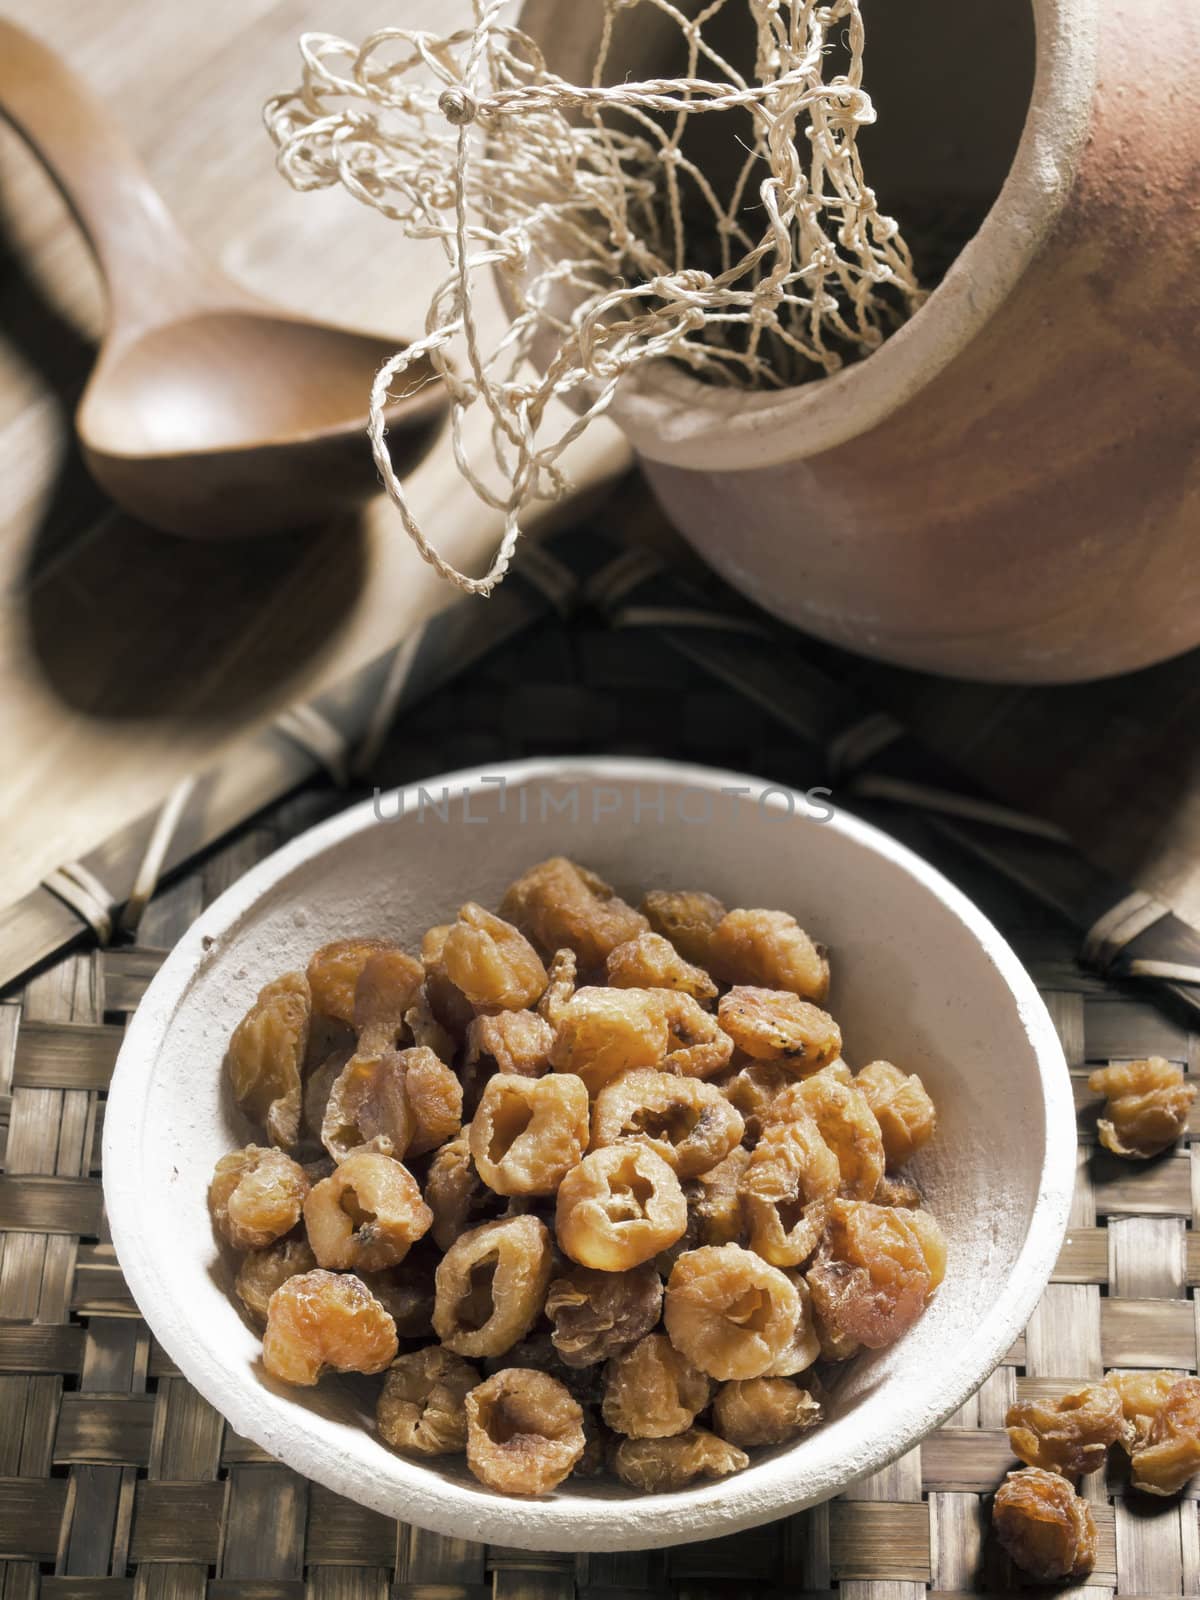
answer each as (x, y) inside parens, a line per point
(1010, 487)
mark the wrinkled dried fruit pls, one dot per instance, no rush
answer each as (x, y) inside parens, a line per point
(262, 1272)
(557, 903)
(876, 1270)
(1070, 1434)
(1147, 1109)
(434, 1099)
(715, 1199)
(651, 1391)
(1044, 1525)
(1142, 1396)
(729, 1312)
(560, 990)
(1171, 1453)
(317, 1320)
(602, 1033)
(368, 1107)
(598, 1314)
(511, 1041)
(491, 1286)
(698, 1046)
(846, 1123)
(687, 1122)
(388, 986)
(449, 1005)
(491, 962)
(657, 1465)
(536, 1351)
(752, 1090)
(333, 974)
(652, 962)
(319, 1087)
(906, 1115)
(255, 1196)
(426, 1031)
(420, 1409)
(455, 1193)
(773, 1025)
(619, 1207)
(769, 950)
(791, 1173)
(529, 1132)
(367, 1215)
(758, 1411)
(266, 1054)
(687, 918)
(524, 1432)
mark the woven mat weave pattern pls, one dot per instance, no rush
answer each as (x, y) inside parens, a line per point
(117, 1479)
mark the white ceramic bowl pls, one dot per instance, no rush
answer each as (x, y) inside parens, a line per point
(919, 977)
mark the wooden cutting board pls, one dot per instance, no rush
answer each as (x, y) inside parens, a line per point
(128, 659)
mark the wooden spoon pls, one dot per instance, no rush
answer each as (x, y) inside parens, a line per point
(210, 412)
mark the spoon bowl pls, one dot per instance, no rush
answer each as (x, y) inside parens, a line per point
(210, 413)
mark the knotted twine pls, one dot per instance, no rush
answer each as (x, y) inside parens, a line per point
(612, 246)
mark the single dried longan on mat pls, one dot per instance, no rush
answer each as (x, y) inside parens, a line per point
(1147, 1105)
(558, 903)
(491, 1286)
(1170, 1454)
(320, 1320)
(524, 1432)
(651, 1391)
(759, 1411)
(619, 1207)
(366, 1215)
(657, 1465)
(266, 1055)
(595, 1315)
(1142, 1395)
(730, 1312)
(528, 1133)
(1044, 1525)
(688, 1122)
(256, 1196)
(420, 1409)
(1070, 1434)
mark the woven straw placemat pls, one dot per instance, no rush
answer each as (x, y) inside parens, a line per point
(117, 1479)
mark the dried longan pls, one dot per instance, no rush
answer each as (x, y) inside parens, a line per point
(791, 1173)
(773, 1025)
(752, 1089)
(729, 1312)
(804, 1348)
(847, 1125)
(688, 1122)
(266, 1054)
(320, 1320)
(656, 1465)
(1070, 1434)
(595, 1315)
(524, 1432)
(762, 1411)
(333, 974)
(558, 903)
(1142, 1396)
(1171, 1452)
(602, 1033)
(421, 1409)
(652, 962)
(456, 1195)
(698, 1046)
(716, 1200)
(619, 1207)
(529, 1132)
(876, 1270)
(688, 918)
(1044, 1525)
(449, 1005)
(255, 1196)
(651, 1391)
(491, 962)
(366, 1215)
(769, 950)
(491, 1286)
(906, 1115)
(262, 1272)
(367, 1107)
(1147, 1106)
(388, 986)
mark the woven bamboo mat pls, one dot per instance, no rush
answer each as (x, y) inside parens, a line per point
(117, 1479)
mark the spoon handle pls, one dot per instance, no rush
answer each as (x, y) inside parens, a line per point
(150, 268)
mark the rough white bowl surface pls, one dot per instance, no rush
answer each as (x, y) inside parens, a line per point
(920, 977)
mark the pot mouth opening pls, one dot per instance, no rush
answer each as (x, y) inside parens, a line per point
(982, 119)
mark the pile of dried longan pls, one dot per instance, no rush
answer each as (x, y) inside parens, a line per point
(1039, 1518)
(600, 1173)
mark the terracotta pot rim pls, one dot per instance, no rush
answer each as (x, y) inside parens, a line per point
(675, 419)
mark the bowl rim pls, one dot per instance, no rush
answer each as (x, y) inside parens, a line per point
(602, 1524)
